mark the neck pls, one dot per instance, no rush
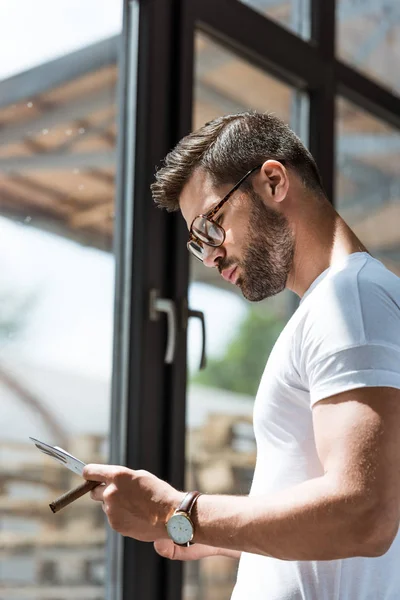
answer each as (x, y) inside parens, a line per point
(322, 239)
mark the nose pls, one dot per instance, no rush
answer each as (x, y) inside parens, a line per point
(212, 255)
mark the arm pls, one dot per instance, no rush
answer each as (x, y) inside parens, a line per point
(352, 510)
(169, 550)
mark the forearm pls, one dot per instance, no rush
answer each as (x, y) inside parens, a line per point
(310, 521)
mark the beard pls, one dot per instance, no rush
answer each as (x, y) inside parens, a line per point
(269, 251)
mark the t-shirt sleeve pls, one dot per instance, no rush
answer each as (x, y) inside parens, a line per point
(369, 365)
(351, 340)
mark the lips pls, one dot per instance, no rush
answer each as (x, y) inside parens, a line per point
(229, 274)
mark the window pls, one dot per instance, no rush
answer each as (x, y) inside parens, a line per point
(293, 14)
(368, 37)
(368, 181)
(57, 168)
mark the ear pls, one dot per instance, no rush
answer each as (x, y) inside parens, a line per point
(274, 180)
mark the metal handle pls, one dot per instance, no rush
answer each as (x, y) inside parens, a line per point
(197, 314)
(163, 305)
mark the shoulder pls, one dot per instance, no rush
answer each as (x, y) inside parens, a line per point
(356, 278)
(355, 305)
(350, 334)
(379, 296)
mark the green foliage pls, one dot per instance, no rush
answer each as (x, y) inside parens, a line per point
(240, 368)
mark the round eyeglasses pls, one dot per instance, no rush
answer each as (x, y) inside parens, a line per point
(206, 232)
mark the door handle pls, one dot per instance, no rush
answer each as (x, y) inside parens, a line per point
(198, 314)
(164, 305)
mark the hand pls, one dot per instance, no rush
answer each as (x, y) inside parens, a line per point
(168, 549)
(137, 503)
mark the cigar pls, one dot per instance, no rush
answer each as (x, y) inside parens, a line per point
(73, 495)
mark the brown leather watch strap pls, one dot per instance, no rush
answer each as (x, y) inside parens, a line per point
(188, 502)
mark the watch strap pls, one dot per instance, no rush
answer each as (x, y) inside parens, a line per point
(188, 502)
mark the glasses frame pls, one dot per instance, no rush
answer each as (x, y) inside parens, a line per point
(212, 212)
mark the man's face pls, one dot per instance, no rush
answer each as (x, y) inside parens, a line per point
(258, 250)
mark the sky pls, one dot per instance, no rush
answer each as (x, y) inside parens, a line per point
(69, 325)
(34, 32)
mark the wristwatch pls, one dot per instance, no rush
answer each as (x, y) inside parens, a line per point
(180, 526)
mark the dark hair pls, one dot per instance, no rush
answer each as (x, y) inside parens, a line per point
(227, 148)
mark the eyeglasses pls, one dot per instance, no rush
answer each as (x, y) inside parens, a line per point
(205, 231)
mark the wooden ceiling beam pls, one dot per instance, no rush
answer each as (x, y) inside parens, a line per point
(91, 216)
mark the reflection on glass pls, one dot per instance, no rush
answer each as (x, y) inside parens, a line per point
(57, 166)
(220, 442)
(368, 37)
(225, 84)
(368, 181)
(293, 14)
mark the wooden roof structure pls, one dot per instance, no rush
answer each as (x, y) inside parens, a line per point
(57, 145)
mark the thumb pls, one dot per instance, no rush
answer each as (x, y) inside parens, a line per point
(168, 549)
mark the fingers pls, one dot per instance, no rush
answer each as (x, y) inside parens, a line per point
(97, 493)
(103, 473)
(165, 548)
(168, 549)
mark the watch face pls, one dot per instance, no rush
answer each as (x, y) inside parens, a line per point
(180, 529)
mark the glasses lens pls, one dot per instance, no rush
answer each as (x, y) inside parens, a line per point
(196, 249)
(208, 232)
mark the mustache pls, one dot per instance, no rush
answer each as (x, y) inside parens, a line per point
(226, 264)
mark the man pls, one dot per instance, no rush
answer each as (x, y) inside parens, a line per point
(322, 517)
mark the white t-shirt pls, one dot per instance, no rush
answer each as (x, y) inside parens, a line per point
(344, 335)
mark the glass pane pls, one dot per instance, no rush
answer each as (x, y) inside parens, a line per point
(225, 84)
(368, 181)
(220, 442)
(293, 14)
(368, 37)
(58, 76)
